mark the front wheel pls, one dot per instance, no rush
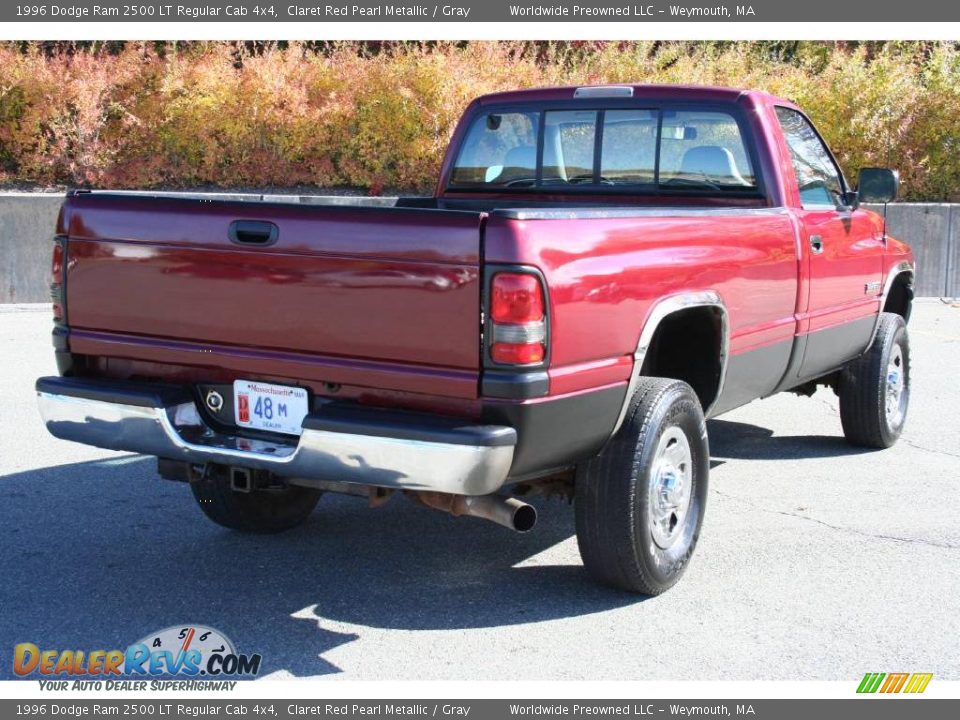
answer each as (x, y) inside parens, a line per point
(639, 504)
(874, 389)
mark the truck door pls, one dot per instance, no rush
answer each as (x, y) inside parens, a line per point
(843, 253)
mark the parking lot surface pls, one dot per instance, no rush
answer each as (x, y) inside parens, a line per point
(816, 560)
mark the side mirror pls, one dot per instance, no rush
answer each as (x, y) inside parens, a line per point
(878, 185)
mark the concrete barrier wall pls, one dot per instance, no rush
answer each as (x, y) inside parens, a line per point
(931, 229)
(27, 222)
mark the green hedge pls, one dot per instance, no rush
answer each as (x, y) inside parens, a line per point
(378, 116)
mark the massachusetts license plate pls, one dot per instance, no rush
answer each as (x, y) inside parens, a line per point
(277, 408)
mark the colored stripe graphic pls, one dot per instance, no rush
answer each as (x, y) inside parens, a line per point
(918, 682)
(870, 682)
(894, 683)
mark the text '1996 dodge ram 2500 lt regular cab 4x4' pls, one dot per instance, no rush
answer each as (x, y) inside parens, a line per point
(599, 270)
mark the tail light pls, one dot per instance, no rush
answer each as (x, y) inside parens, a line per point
(57, 276)
(518, 319)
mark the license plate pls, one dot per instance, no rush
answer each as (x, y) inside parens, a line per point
(277, 408)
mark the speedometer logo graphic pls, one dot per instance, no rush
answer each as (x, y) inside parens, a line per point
(194, 637)
(190, 650)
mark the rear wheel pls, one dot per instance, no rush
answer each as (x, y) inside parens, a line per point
(265, 510)
(639, 504)
(874, 389)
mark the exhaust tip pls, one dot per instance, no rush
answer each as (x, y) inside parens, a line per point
(508, 512)
(524, 518)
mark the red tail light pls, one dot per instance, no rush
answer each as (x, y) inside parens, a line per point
(56, 279)
(518, 319)
(516, 298)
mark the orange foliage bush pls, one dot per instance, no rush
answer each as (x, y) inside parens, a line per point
(374, 118)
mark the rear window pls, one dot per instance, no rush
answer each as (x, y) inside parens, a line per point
(703, 148)
(628, 153)
(569, 139)
(500, 150)
(673, 150)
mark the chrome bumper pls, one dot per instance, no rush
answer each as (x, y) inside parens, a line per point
(339, 446)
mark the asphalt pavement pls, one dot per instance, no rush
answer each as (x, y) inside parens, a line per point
(816, 560)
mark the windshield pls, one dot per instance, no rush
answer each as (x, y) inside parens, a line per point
(683, 149)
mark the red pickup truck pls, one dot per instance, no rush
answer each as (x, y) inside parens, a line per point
(599, 270)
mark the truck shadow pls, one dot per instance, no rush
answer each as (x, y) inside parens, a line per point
(731, 440)
(99, 554)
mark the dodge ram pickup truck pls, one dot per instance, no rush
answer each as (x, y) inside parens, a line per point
(599, 270)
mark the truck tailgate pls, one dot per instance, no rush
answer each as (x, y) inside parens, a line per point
(384, 285)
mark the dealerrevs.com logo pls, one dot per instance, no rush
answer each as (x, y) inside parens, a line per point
(193, 652)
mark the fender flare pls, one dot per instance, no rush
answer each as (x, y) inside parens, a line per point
(901, 268)
(663, 309)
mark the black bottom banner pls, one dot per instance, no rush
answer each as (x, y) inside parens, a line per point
(873, 708)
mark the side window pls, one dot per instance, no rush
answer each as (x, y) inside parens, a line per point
(703, 150)
(500, 150)
(818, 178)
(568, 141)
(628, 153)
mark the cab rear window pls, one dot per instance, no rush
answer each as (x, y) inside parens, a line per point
(500, 150)
(649, 148)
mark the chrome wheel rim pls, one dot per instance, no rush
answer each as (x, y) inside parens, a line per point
(895, 395)
(671, 481)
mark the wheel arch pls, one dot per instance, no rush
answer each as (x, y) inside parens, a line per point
(704, 308)
(898, 291)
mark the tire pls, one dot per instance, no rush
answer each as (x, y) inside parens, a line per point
(259, 511)
(867, 384)
(627, 538)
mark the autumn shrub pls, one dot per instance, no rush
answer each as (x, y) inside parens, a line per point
(378, 116)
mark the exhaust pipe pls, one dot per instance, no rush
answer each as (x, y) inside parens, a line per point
(509, 512)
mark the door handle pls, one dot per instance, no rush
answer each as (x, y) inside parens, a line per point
(816, 244)
(253, 232)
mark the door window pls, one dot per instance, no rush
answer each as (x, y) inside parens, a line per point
(819, 179)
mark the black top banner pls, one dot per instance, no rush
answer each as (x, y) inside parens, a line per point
(577, 11)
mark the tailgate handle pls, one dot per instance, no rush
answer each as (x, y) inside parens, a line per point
(253, 232)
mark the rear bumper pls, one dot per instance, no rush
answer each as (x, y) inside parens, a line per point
(340, 444)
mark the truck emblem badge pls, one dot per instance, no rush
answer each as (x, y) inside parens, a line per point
(870, 287)
(214, 401)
